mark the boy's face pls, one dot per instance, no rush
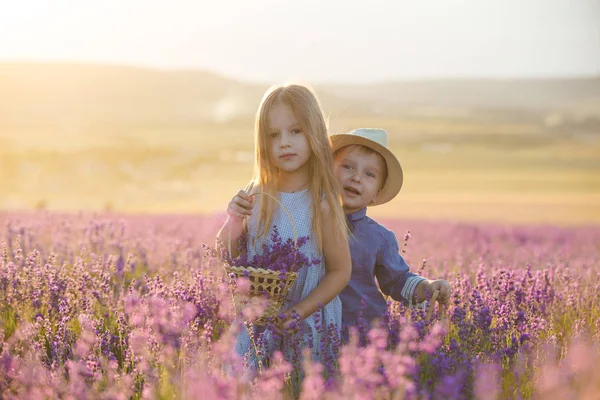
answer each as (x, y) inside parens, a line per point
(361, 174)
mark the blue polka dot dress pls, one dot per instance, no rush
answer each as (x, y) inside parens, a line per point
(320, 331)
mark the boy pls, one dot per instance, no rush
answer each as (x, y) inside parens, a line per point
(369, 175)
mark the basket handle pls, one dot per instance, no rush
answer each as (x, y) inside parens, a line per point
(282, 207)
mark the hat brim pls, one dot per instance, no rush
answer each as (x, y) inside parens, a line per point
(395, 176)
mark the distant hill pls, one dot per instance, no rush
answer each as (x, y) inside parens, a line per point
(51, 93)
(59, 93)
(543, 94)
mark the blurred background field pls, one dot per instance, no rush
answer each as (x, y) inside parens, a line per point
(141, 113)
(141, 140)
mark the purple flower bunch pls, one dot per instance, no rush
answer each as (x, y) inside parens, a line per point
(276, 254)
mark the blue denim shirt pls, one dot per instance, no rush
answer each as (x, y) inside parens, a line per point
(375, 254)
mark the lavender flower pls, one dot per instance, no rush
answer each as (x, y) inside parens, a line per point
(96, 307)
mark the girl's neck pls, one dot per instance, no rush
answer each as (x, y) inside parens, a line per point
(292, 182)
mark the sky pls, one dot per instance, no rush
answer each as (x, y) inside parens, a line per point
(313, 40)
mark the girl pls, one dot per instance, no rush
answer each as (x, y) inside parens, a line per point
(294, 163)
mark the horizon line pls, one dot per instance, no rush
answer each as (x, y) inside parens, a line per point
(415, 79)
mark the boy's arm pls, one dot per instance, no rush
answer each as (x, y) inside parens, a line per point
(393, 273)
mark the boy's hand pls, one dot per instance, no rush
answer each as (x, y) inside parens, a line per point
(240, 206)
(425, 289)
(444, 288)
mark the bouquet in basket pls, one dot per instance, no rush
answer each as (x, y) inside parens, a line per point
(270, 273)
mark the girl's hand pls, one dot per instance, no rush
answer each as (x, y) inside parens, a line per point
(287, 323)
(240, 206)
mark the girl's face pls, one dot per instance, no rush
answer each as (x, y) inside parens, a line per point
(289, 149)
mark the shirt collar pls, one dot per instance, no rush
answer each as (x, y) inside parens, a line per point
(357, 215)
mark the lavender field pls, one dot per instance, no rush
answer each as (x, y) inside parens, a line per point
(120, 306)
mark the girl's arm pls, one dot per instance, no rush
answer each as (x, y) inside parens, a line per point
(239, 208)
(338, 266)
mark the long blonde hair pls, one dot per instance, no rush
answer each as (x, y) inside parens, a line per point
(305, 106)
